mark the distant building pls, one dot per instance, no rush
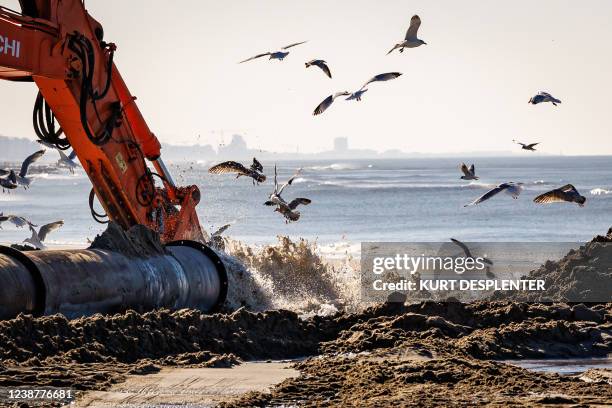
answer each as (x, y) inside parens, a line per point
(237, 146)
(341, 144)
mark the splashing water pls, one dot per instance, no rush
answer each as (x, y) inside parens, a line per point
(289, 275)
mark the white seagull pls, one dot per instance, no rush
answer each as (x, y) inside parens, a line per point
(326, 103)
(22, 178)
(514, 189)
(321, 64)
(64, 161)
(16, 220)
(279, 55)
(468, 174)
(288, 210)
(376, 78)
(411, 40)
(38, 237)
(543, 97)
(67, 161)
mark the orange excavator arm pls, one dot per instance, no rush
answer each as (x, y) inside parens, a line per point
(60, 47)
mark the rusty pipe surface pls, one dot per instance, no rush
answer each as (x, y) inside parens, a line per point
(82, 282)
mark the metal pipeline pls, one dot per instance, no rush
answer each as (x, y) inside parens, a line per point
(82, 282)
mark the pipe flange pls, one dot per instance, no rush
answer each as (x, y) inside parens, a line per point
(39, 283)
(212, 255)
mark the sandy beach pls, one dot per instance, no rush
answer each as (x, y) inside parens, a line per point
(386, 355)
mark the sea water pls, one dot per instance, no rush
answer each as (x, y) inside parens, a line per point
(357, 200)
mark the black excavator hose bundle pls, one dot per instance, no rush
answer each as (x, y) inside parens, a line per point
(45, 125)
(83, 49)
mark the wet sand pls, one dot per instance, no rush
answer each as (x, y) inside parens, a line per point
(190, 386)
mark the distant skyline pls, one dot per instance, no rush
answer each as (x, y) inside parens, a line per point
(466, 91)
(14, 150)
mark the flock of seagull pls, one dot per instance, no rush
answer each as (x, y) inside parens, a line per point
(410, 41)
(567, 193)
(36, 241)
(10, 179)
(255, 171)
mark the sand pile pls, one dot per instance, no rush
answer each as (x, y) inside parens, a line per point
(138, 241)
(583, 275)
(481, 330)
(431, 353)
(382, 380)
(160, 335)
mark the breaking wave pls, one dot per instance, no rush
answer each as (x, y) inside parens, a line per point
(340, 166)
(600, 191)
(60, 176)
(478, 185)
(299, 180)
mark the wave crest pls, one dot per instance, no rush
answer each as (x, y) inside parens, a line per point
(600, 191)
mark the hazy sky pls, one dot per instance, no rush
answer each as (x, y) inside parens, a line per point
(466, 90)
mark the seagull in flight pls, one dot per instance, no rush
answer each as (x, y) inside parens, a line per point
(410, 40)
(9, 182)
(376, 78)
(321, 64)
(22, 178)
(567, 193)
(255, 171)
(543, 97)
(216, 240)
(468, 254)
(220, 231)
(530, 146)
(39, 236)
(356, 96)
(279, 55)
(468, 174)
(288, 210)
(467, 251)
(67, 161)
(16, 220)
(514, 189)
(64, 161)
(326, 103)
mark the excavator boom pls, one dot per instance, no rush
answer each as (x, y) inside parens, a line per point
(84, 103)
(61, 48)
